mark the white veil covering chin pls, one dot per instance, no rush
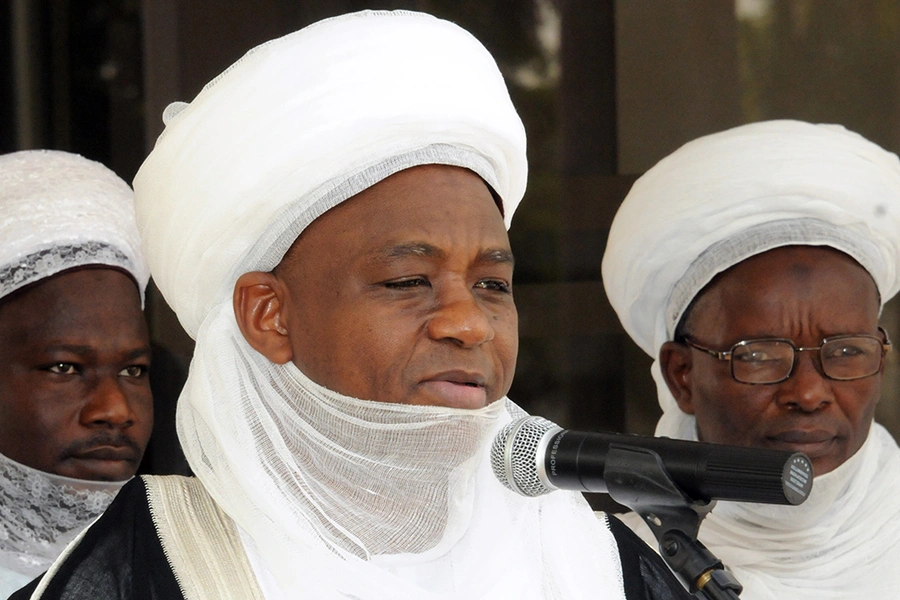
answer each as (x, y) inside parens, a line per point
(42, 512)
(60, 211)
(340, 497)
(711, 204)
(347, 498)
(841, 543)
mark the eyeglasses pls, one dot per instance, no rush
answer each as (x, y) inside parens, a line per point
(843, 357)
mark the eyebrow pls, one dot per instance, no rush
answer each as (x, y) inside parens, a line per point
(424, 250)
(70, 348)
(88, 350)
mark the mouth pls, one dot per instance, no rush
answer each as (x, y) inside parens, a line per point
(105, 463)
(457, 389)
(109, 453)
(813, 443)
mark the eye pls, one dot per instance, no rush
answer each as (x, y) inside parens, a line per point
(135, 371)
(843, 351)
(63, 368)
(496, 285)
(759, 356)
(407, 283)
(752, 357)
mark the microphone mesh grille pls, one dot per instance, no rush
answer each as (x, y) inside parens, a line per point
(514, 455)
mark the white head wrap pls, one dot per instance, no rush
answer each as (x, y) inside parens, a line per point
(59, 211)
(343, 497)
(302, 123)
(711, 204)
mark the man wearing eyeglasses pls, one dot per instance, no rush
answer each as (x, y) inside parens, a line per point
(753, 264)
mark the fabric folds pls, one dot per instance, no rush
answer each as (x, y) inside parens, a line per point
(262, 149)
(39, 514)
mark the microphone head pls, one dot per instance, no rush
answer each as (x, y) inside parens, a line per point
(517, 457)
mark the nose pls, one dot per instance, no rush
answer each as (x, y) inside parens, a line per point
(460, 318)
(807, 389)
(107, 405)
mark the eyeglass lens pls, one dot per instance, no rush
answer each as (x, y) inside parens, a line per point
(769, 361)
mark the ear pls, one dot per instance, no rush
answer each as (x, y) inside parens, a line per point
(259, 307)
(676, 363)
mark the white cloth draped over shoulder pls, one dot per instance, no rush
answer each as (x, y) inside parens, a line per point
(338, 497)
(60, 211)
(708, 206)
(838, 545)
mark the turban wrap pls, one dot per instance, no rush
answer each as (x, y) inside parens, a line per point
(725, 197)
(59, 211)
(300, 124)
(344, 497)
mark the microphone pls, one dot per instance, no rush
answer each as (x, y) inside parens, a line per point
(534, 456)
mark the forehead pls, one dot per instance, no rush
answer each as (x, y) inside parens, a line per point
(95, 302)
(819, 286)
(435, 204)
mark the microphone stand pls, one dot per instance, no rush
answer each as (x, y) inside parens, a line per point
(636, 478)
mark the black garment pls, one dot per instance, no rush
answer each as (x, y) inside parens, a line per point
(121, 558)
(644, 572)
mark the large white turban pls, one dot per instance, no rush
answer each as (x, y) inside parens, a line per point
(303, 122)
(59, 211)
(727, 196)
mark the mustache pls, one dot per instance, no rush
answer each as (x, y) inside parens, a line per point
(104, 438)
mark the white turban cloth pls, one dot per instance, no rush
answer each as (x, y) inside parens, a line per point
(59, 211)
(340, 497)
(711, 204)
(303, 122)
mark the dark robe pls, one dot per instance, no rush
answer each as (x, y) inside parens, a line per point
(121, 557)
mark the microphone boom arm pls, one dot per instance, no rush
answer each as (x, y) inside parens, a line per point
(636, 478)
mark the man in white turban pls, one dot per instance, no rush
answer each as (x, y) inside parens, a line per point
(75, 404)
(753, 265)
(328, 220)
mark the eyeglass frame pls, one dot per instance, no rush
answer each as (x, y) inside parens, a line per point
(886, 347)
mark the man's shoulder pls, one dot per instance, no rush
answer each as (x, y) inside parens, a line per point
(645, 574)
(119, 556)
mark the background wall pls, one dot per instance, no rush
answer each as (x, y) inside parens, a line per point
(605, 89)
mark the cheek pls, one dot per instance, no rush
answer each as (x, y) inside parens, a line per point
(35, 414)
(357, 353)
(729, 413)
(141, 400)
(506, 339)
(858, 400)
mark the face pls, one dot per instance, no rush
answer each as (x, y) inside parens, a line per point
(800, 293)
(74, 389)
(404, 293)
